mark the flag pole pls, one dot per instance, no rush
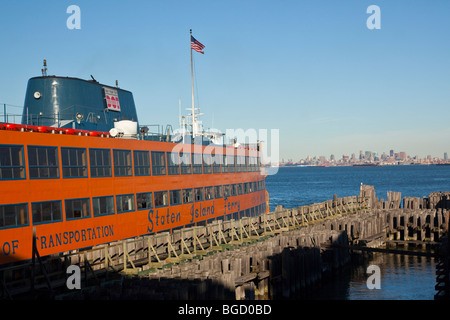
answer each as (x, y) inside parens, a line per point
(192, 85)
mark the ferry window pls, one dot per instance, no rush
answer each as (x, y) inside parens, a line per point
(217, 160)
(122, 163)
(185, 159)
(250, 187)
(161, 199)
(103, 206)
(247, 164)
(141, 163)
(209, 193)
(224, 163)
(188, 195)
(254, 186)
(158, 163)
(243, 164)
(11, 162)
(100, 162)
(197, 163)
(13, 215)
(144, 200)
(226, 190)
(246, 187)
(207, 163)
(218, 192)
(230, 163)
(43, 162)
(240, 188)
(233, 189)
(173, 162)
(240, 164)
(74, 164)
(77, 208)
(198, 194)
(49, 211)
(252, 164)
(125, 203)
(175, 197)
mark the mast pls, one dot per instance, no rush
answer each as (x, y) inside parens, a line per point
(194, 133)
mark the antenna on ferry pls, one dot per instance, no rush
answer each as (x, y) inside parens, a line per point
(44, 70)
(192, 87)
(179, 111)
(183, 131)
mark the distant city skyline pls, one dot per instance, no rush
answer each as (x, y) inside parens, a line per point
(367, 156)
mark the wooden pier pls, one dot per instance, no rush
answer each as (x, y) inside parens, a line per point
(276, 255)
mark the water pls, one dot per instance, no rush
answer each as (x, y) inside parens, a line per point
(402, 277)
(296, 186)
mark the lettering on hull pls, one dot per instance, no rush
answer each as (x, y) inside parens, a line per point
(65, 238)
(159, 219)
(200, 212)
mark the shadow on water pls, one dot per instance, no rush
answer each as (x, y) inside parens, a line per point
(402, 277)
(308, 273)
(330, 273)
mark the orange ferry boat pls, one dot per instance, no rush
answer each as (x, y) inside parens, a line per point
(80, 171)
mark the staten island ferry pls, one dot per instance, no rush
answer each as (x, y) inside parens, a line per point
(80, 170)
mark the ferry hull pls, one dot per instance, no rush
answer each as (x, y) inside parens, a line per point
(66, 234)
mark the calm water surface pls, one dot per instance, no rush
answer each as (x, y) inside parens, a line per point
(402, 277)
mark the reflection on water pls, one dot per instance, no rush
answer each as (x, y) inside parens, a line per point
(403, 277)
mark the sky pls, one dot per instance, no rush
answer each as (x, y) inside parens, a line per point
(311, 69)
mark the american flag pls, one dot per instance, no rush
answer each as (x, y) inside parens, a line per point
(197, 46)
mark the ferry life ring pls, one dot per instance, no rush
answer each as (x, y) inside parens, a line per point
(98, 134)
(13, 126)
(45, 129)
(69, 131)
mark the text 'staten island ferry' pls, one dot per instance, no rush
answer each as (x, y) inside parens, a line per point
(80, 171)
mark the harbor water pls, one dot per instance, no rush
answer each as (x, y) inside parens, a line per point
(401, 277)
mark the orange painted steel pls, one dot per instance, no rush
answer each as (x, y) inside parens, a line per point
(65, 235)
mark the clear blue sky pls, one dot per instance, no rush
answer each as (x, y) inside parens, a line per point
(311, 69)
